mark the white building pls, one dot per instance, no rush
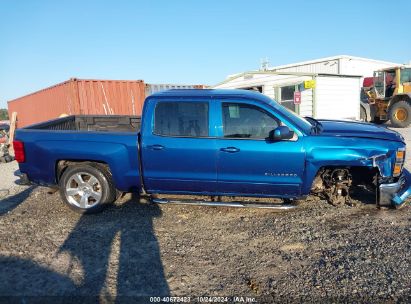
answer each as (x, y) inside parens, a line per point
(337, 85)
(341, 64)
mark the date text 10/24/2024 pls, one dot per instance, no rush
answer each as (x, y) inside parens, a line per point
(203, 299)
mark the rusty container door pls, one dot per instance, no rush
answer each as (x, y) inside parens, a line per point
(111, 97)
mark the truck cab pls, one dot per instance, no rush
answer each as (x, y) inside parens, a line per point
(227, 142)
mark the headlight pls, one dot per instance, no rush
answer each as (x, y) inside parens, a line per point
(399, 162)
(400, 154)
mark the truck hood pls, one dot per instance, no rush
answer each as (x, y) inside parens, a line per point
(358, 129)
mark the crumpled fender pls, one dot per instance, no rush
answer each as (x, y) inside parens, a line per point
(353, 157)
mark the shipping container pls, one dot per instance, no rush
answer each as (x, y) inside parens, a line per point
(154, 88)
(87, 97)
(80, 96)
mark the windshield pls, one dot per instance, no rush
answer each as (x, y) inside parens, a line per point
(301, 122)
(405, 75)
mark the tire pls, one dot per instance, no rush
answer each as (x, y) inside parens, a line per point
(87, 188)
(400, 114)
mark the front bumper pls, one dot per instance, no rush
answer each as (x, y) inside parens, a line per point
(395, 194)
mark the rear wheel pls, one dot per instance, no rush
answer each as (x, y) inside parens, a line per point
(400, 114)
(86, 188)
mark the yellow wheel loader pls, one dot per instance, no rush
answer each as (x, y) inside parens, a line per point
(390, 96)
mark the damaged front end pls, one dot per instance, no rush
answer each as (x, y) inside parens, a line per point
(381, 173)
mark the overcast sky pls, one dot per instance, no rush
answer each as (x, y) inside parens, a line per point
(189, 42)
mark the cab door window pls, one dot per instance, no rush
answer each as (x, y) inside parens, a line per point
(247, 121)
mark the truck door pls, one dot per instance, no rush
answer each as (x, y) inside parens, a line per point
(249, 163)
(178, 153)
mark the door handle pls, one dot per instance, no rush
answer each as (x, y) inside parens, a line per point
(230, 149)
(156, 147)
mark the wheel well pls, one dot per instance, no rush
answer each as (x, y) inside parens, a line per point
(398, 98)
(360, 174)
(62, 165)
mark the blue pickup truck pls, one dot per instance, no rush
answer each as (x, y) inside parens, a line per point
(212, 143)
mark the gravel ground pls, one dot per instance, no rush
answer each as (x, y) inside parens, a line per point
(316, 253)
(7, 180)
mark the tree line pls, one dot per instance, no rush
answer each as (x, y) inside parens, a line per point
(4, 115)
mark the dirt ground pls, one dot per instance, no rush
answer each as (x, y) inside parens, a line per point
(315, 253)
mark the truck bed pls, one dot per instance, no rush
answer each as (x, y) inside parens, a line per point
(96, 123)
(112, 140)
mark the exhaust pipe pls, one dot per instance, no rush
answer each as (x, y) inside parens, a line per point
(224, 204)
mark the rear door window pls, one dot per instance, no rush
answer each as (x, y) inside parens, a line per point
(181, 119)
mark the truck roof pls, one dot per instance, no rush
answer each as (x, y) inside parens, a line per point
(211, 93)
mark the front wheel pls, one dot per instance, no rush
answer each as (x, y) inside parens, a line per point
(86, 188)
(400, 114)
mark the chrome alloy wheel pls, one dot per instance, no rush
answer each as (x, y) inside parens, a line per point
(83, 190)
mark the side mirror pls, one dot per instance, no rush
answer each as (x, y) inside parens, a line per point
(280, 133)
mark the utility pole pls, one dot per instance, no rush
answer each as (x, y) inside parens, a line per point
(264, 64)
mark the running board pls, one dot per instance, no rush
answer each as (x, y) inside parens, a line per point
(224, 204)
